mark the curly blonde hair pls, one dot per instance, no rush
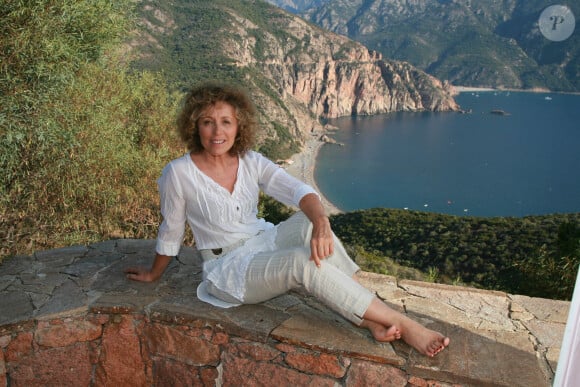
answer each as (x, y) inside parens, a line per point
(206, 95)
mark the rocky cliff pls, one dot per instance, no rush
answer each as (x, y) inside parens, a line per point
(483, 43)
(297, 72)
(334, 76)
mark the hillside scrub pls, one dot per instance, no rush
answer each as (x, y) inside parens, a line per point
(82, 139)
(535, 255)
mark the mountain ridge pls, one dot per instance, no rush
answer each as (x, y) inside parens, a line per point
(478, 44)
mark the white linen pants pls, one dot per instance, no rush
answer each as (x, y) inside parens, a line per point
(271, 274)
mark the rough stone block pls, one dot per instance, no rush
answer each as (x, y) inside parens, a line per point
(315, 329)
(172, 373)
(256, 351)
(121, 303)
(120, 362)
(61, 257)
(177, 344)
(145, 248)
(65, 366)
(17, 265)
(3, 379)
(19, 306)
(365, 373)
(239, 371)
(20, 347)
(66, 333)
(474, 359)
(544, 310)
(318, 363)
(66, 298)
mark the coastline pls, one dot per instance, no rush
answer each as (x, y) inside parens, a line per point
(539, 90)
(465, 89)
(302, 167)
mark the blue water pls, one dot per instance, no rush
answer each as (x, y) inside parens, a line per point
(479, 164)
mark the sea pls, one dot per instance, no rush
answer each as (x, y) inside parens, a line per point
(510, 154)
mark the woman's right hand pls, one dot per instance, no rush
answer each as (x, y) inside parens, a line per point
(149, 275)
(139, 274)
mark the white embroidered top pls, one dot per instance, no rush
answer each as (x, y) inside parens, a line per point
(219, 218)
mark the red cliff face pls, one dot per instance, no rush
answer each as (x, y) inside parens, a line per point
(333, 76)
(337, 88)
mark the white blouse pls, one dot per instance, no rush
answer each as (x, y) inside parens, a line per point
(217, 217)
(220, 219)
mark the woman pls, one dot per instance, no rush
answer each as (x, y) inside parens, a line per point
(247, 260)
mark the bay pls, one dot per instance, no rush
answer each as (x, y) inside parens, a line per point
(526, 162)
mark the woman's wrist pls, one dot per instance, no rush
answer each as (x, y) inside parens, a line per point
(159, 265)
(321, 220)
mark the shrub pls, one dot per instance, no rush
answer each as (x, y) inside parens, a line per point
(81, 137)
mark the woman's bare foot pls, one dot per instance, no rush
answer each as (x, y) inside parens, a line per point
(379, 316)
(380, 332)
(424, 340)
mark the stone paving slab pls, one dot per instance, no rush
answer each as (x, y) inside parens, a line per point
(497, 339)
(323, 330)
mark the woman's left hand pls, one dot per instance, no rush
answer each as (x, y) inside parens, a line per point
(322, 241)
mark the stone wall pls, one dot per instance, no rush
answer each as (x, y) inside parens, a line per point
(69, 317)
(131, 350)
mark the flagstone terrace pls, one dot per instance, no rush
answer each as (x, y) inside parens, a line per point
(70, 317)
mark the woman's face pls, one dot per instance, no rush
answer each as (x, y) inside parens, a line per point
(218, 127)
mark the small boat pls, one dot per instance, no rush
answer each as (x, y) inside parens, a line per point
(499, 112)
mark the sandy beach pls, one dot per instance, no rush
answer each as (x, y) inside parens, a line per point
(302, 167)
(465, 89)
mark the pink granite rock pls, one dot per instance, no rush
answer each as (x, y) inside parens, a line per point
(239, 371)
(317, 363)
(64, 366)
(120, 362)
(178, 344)
(66, 333)
(373, 374)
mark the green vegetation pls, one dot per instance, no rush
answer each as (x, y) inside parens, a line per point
(82, 138)
(272, 210)
(281, 147)
(375, 262)
(536, 255)
(188, 49)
